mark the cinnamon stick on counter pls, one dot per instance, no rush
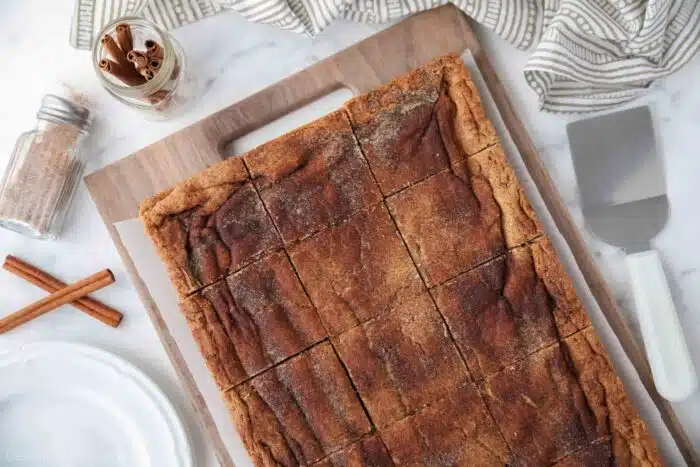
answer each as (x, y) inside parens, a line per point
(61, 297)
(43, 280)
(127, 76)
(124, 38)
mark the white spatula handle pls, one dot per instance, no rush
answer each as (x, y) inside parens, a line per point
(667, 351)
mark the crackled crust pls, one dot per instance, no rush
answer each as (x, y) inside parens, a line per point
(519, 222)
(540, 408)
(569, 314)
(299, 411)
(510, 307)
(595, 455)
(368, 452)
(312, 177)
(454, 431)
(498, 313)
(401, 361)
(450, 222)
(356, 270)
(252, 320)
(417, 124)
(614, 413)
(208, 225)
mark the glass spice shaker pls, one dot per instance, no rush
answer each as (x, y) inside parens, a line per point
(45, 169)
(168, 88)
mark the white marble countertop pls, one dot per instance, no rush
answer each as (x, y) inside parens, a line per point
(234, 59)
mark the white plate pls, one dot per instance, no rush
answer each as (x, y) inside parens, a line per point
(70, 405)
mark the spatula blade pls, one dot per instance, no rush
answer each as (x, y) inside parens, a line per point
(620, 177)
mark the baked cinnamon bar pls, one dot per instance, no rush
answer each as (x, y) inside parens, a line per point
(208, 226)
(416, 125)
(312, 177)
(454, 431)
(368, 452)
(254, 319)
(299, 411)
(615, 415)
(596, 454)
(402, 361)
(510, 307)
(540, 408)
(357, 269)
(463, 216)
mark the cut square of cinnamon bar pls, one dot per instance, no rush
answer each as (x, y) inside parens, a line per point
(508, 308)
(540, 408)
(312, 177)
(454, 431)
(299, 411)
(414, 126)
(368, 452)
(254, 319)
(402, 361)
(357, 269)
(605, 393)
(209, 225)
(464, 216)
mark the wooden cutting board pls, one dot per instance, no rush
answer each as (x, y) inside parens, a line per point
(118, 188)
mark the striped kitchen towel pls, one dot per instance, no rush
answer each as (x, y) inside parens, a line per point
(587, 54)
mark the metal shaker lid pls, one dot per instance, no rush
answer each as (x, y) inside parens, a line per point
(61, 110)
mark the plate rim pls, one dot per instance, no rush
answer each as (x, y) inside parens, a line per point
(146, 384)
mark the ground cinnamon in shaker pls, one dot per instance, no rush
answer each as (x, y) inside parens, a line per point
(44, 170)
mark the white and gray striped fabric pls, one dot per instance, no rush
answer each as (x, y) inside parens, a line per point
(588, 55)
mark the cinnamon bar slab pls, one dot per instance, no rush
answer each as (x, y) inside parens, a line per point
(374, 289)
(252, 320)
(508, 308)
(413, 127)
(312, 177)
(540, 408)
(614, 412)
(455, 431)
(368, 452)
(463, 216)
(299, 411)
(402, 361)
(357, 269)
(209, 225)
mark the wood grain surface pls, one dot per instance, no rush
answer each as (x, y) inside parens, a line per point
(118, 188)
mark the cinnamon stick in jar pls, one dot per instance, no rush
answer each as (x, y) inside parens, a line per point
(139, 59)
(154, 64)
(126, 76)
(124, 38)
(153, 49)
(113, 50)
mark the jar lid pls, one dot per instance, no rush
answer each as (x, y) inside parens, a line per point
(61, 110)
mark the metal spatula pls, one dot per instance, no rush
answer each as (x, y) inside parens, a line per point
(623, 196)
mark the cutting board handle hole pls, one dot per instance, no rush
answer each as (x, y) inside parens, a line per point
(289, 121)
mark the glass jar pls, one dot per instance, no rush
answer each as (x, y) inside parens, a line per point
(168, 91)
(45, 168)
